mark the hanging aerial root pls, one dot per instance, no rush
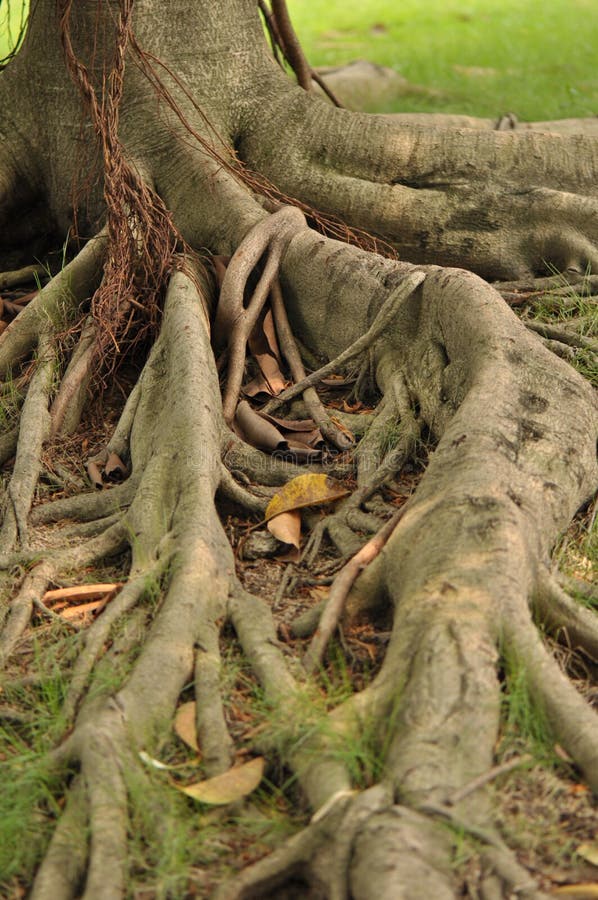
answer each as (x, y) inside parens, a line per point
(235, 322)
(283, 36)
(289, 43)
(143, 239)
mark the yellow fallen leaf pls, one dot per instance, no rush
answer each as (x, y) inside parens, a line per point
(228, 787)
(305, 490)
(589, 852)
(184, 724)
(578, 891)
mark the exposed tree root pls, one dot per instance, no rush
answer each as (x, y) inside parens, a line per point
(20, 276)
(337, 437)
(565, 617)
(514, 431)
(34, 427)
(274, 235)
(450, 612)
(381, 324)
(340, 589)
(554, 333)
(38, 579)
(55, 305)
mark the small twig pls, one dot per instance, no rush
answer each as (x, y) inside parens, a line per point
(476, 783)
(340, 590)
(376, 329)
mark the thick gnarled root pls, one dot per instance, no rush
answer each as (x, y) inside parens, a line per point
(515, 457)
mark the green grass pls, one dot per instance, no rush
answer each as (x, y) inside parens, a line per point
(12, 18)
(538, 58)
(484, 57)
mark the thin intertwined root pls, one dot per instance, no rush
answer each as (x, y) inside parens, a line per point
(329, 430)
(234, 323)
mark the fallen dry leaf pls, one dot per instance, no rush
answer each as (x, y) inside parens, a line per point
(260, 431)
(115, 469)
(95, 476)
(184, 724)
(589, 852)
(228, 787)
(286, 528)
(264, 348)
(81, 592)
(305, 490)
(73, 612)
(578, 891)
(257, 431)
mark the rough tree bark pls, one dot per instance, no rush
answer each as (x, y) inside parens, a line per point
(514, 428)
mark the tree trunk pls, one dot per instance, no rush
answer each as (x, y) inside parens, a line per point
(209, 138)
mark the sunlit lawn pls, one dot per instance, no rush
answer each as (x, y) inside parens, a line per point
(12, 16)
(535, 58)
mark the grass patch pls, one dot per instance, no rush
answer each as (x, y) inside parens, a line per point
(13, 16)
(484, 57)
(577, 314)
